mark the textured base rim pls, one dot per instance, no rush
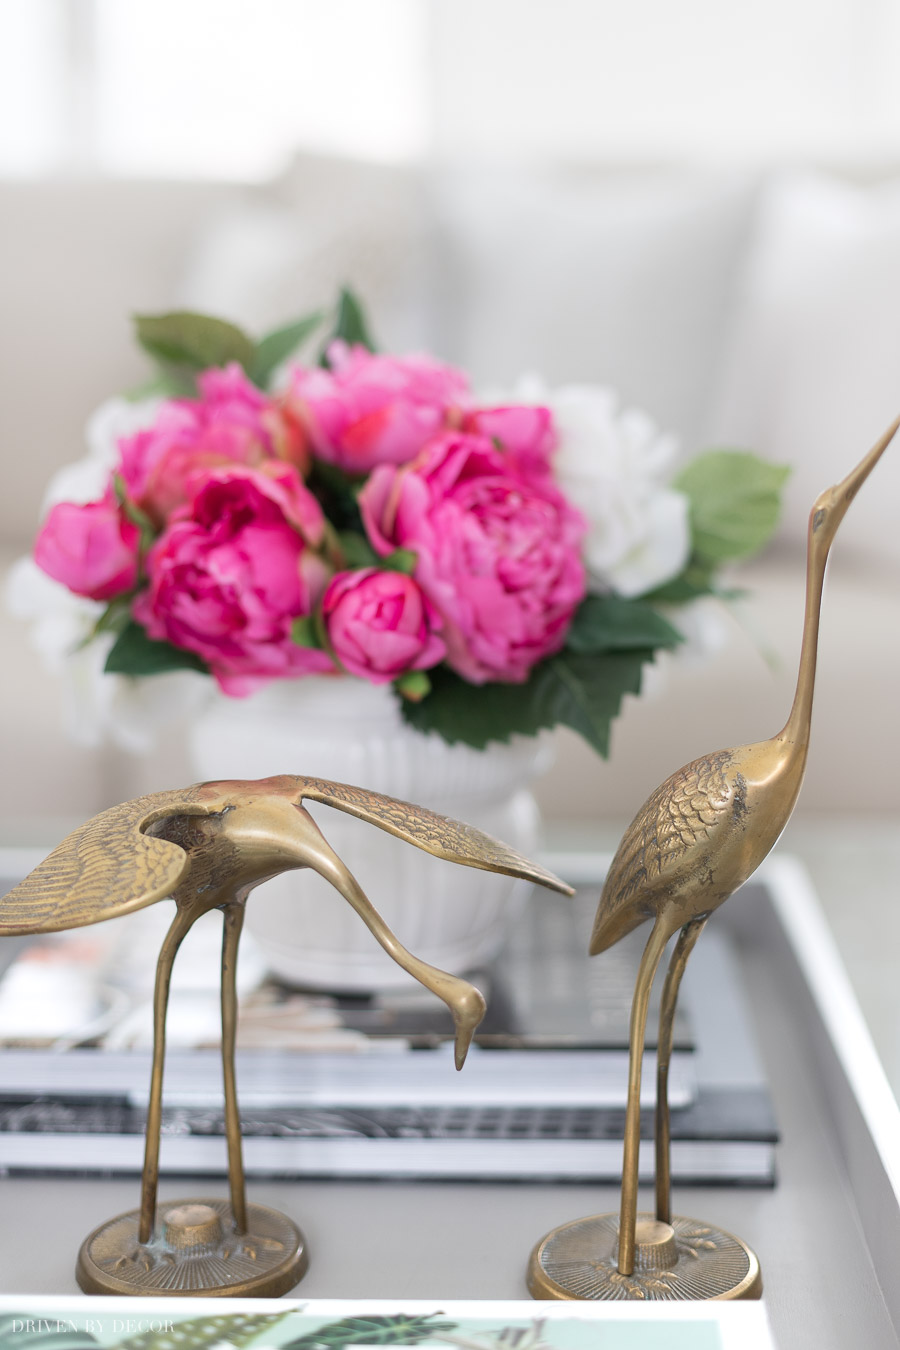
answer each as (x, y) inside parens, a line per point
(579, 1275)
(148, 1271)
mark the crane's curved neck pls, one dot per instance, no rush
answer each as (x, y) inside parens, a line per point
(796, 729)
(827, 514)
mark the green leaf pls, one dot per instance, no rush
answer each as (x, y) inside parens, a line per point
(580, 690)
(350, 325)
(585, 691)
(195, 341)
(400, 1330)
(695, 581)
(304, 632)
(113, 619)
(134, 653)
(414, 684)
(333, 479)
(134, 513)
(609, 623)
(172, 382)
(357, 550)
(474, 714)
(277, 346)
(199, 1333)
(401, 560)
(141, 520)
(735, 499)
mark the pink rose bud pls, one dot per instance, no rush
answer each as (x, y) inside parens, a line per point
(499, 553)
(369, 409)
(380, 624)
(232, 571)
(92, 549)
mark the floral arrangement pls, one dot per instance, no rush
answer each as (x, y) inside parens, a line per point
(505, 564)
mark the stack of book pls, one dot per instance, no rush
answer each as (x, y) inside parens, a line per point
(541, 1096)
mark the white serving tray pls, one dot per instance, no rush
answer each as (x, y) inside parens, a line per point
(828, 1236)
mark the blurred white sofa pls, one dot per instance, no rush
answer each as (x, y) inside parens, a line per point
(736, 310)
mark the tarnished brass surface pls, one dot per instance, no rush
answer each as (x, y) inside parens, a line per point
(681, 1260)
(683, 948)
(124, 859)
(231, 936)
(150, 1173)
(707, 828)
(695, 840)
(197, 1251)
(207, 847)
(194, 1225)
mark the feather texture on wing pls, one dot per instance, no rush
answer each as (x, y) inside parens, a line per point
(680, 814)
(111, 865)
(440, 835)
(106, 867)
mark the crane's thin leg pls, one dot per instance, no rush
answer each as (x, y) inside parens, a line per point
(653, 951)
(150, 1176)
(233, 916)
(683, 948)
(463, 999)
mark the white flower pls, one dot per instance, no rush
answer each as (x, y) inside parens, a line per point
(96, 707)
(613, 464)
(61, 621)
(86, 479)
(704, 624)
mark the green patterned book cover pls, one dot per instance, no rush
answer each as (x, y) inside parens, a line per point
(211, 1324)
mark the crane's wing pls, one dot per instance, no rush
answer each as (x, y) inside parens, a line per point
(440, 835)
(106, 867)
(676, 818)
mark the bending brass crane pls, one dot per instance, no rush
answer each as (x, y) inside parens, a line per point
(207, 847)
(700, 835)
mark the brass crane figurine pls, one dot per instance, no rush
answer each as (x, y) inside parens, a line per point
(207, 847)
(695, 840)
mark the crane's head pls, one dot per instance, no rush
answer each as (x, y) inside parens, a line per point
(830, 506)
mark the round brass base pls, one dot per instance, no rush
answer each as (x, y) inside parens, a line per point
(682, 1260)
(195, 1251)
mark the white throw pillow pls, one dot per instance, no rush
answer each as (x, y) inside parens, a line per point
(269, 256)
(813, 374)
(616, 277)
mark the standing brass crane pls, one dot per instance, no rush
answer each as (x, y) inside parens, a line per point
(695, 840)
(207, 847)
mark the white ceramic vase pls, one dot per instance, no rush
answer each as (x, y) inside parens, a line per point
(350, 731)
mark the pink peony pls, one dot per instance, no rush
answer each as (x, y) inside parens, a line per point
(91, 548)
(369, 409)
(498, 553)
(380, 624)
(231, 422)
(525, 432)
(232, 571)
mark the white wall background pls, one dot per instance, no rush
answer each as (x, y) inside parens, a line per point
(209, 88)
(228, 88)
(730, 80)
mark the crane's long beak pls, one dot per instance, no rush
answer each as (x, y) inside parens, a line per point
(465, 1002)
(848, 487)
